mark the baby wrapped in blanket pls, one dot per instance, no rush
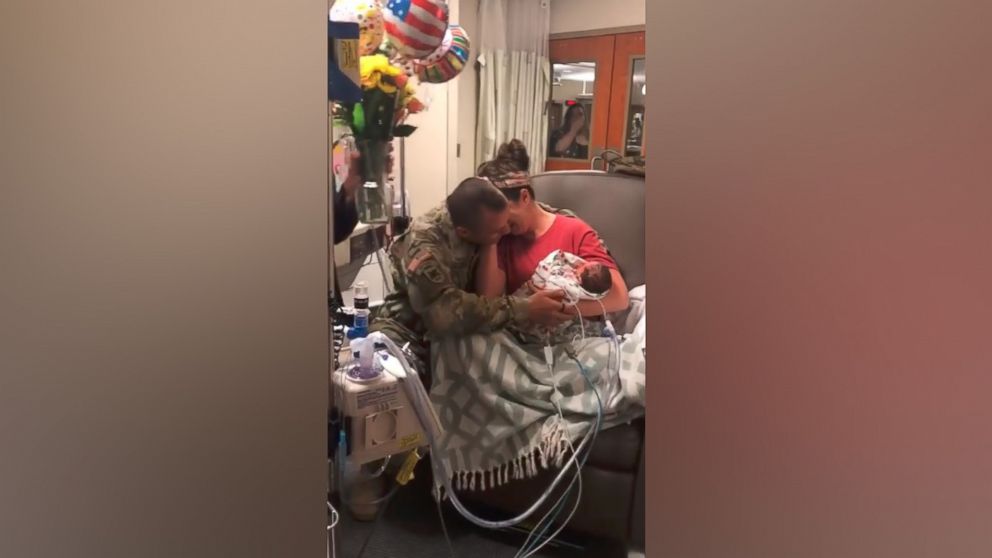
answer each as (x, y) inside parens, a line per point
(578, 279)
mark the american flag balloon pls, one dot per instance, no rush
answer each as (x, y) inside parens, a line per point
(416, 27)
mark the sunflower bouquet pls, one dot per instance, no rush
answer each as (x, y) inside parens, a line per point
(388, 99)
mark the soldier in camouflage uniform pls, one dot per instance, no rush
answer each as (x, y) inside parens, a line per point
(434, 264)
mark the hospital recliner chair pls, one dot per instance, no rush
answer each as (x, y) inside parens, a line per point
(612, 504)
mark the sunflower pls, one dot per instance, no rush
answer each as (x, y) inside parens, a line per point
(378, 73)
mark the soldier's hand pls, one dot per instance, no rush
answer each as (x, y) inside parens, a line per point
(548, 308)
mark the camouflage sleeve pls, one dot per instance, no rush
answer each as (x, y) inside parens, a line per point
(448, 309)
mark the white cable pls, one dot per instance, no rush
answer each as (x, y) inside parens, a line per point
(575, 507)
(332, 547)
(335, 517)
(578, 477)
(614, 380)
(530, 536)
(549, 360)
(382, 469)
(418, 400)
(548, 357)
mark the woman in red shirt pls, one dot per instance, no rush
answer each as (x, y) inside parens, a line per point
(535, 232)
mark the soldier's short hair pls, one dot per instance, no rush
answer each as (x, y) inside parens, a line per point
(470, 197)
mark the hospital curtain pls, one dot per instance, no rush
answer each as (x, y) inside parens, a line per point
(514, 77)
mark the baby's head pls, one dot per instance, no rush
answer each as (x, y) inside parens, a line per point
(595, 278)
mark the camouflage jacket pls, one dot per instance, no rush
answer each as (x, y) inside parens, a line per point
(433, 276)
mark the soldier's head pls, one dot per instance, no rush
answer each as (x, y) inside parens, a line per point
(479, 211)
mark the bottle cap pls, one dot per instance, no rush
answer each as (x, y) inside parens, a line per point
(361, 289)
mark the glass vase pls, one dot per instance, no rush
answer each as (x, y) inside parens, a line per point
(374, 200)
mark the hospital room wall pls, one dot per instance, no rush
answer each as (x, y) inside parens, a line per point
(574, 16)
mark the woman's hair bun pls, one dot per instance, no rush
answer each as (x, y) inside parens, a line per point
(514, 151)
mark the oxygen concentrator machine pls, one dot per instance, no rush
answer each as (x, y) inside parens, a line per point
(373, 396)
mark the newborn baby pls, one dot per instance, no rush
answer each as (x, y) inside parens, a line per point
(580, 280)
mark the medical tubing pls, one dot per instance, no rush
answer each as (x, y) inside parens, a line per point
(527, 550)
(523, 516)
(342, 457)
(378, 518)
(447, 481)
(435, 464)
(537, 534)
(599, 418)
(332, 547)
(615, 380)
(444, 529)
(556, 510)
(553, 514)
(524, 552)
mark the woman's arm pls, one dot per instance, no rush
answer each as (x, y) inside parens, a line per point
(345, 216)
(490, 281)
(345, 210)
(591, 248)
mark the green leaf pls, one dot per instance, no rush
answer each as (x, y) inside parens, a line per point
(404, 130)
(358, 118)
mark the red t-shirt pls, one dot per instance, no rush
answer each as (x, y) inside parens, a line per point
(518, 256)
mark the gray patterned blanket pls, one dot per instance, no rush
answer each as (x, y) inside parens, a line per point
(496, 399)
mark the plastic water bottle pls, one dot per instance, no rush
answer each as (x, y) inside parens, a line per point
(361, 304)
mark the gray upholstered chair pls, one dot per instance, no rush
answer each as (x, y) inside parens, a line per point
(612, 505)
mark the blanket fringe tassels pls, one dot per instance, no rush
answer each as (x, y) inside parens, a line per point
(550, 452)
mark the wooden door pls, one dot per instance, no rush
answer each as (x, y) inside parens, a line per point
(625, 131)
(582, 73)
(611, 70)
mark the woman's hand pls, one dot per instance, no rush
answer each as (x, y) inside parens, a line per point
(576, 125)
(354, 180)
(565, 142)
